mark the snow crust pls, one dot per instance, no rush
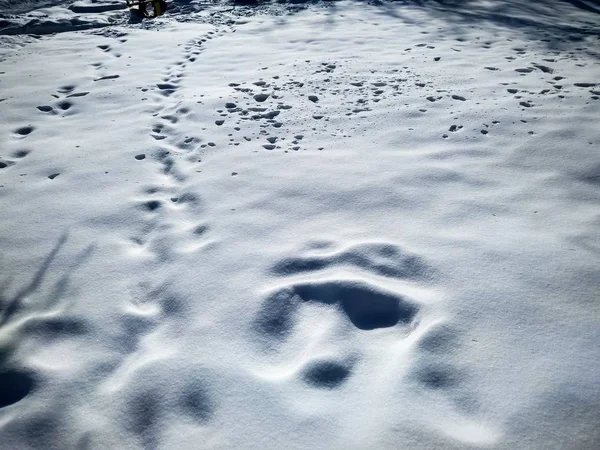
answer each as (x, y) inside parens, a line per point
(345, 227)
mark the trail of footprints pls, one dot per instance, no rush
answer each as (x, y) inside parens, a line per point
(166, 207)
(63, 105)
(141, 405)
(162, 202)
(148, 393)
(256, 111)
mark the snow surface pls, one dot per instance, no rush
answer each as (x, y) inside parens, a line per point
(348, 226)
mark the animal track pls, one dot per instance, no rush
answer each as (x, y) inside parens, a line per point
(437, 376)
(159, 236)
(434, 368)
(107, 77)
(24, 131)
(65, 89)
(152, 205)
(161, 387)
(64, 105)
(167, 88)
(20, 153)
(326, 374)
(77, 94)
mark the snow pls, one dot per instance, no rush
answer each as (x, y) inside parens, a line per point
(300, 226)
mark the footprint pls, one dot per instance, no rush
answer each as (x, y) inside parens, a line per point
(65, 105)
(167, 89)
(261, 97)
(144, 411)
(151, 205)
(163, 387)
(544, 69)
(437, 376)
(107, 77)
(20, 153)
(188, 197)
(24, 131)
(326, 374)
(436, 370)
(200, 230)
(77, 94)
(35, 429)
(65, 89)
(133, 328)
(171, 118)
(166, 86)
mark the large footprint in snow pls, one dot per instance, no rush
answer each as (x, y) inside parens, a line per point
(355, 304)
(363, 303)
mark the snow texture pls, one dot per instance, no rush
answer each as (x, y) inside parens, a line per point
(293, 225)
